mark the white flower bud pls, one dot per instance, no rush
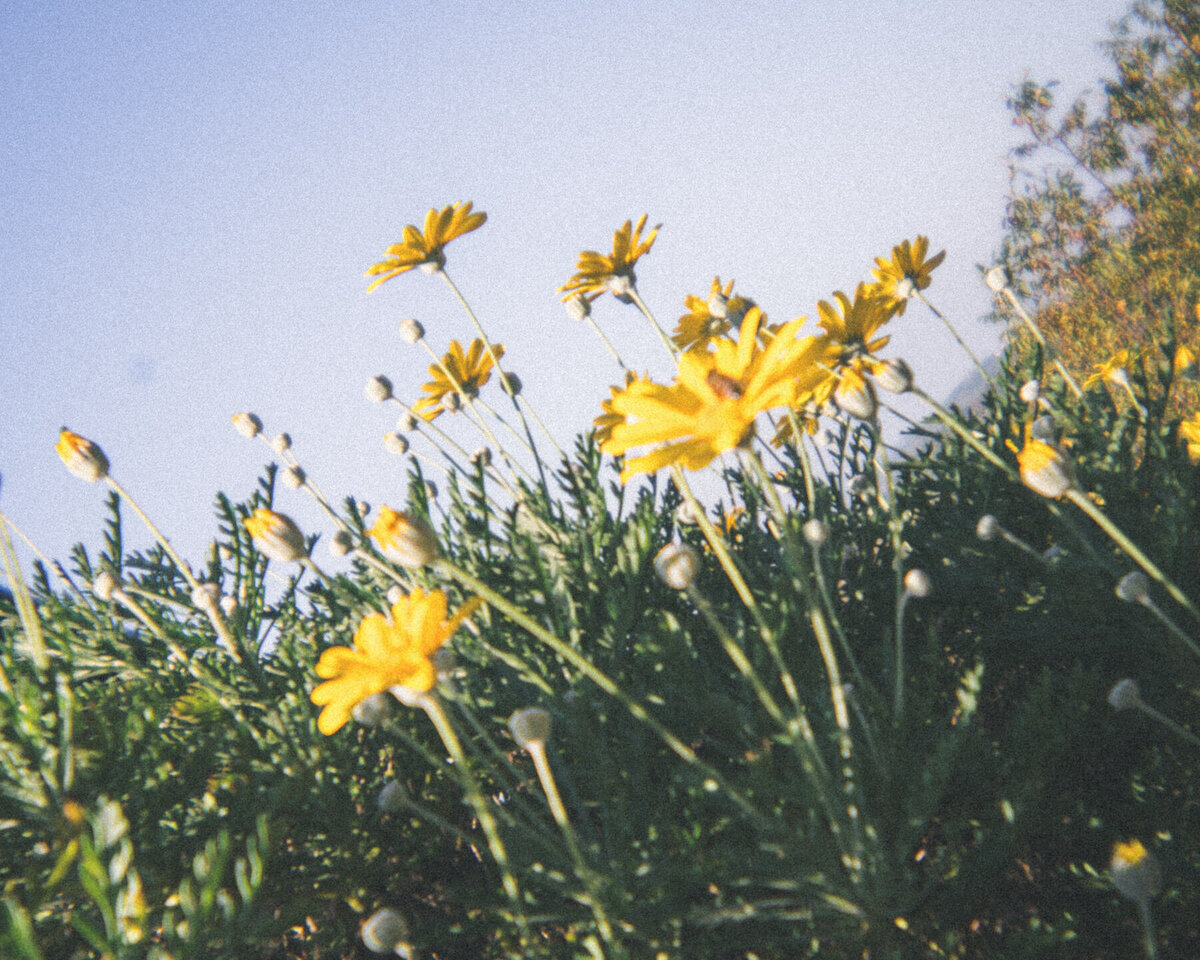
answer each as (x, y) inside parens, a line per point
(578, 307)
(431, 490)
(385, 931)
(988, 528)
(247, 424)
(282, 443)
(451, 402)
(856, 397)
(482, 457)
(685, 515)
(229, 606)
(378, 389)
(894, 376)
(816, 532)
(995, 279)
(393, 797)
(372, 711)
(411, 331)
(1135, 872)
(362, 507)
(293, 478)
(511, 384)
(407, 423)
(917, 583)
(530, 726)
(1134, 587)
(81, 457)
(676, 565)
(395, 443)
(105, 585)
(718, 305)
(1125, 695)
(205, 596)
(1030, 391)
(341, 543)
(276, 536)
(395, 594)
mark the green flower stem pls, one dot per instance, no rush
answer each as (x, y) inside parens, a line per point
(662, 334)
(1149, 940)
(608, 343)
(125, 600)
(499, 370)
(1037, 333)
(717, 542)
(603, 681)
(1080, 500)
(541, 763)
(1168, 723)
(432, 706)
(810, 491)
(308, 485)
(51, 564)
(969, 438)
(1170, 624)
(962, 343)
(896, 530)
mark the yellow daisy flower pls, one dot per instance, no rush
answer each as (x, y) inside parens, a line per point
(424, 248)
(82, 457)
(1045, 468)
(597, 273)
(907, 272)
(385, 655)
(852, 325)
(1189, 432)
(1184, 364)
(1112, 370)
(610, 418)
(699, 326)
(711, 406)
(468, 371)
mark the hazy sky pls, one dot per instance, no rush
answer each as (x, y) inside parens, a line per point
(192, 192)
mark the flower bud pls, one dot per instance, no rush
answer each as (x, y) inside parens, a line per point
(82, 457)
(1045, 468)
(816, 532)
(229, 605)
(482, 457)
(855, 396)
(404, 538)
(1125, 695)
(530, 727)
(1134, 587)
(988, 528)
(578, 306)
(395, 443)
(393, 797)
(718, 305)
(894, 376)
(685, 515)
(362, 507)
(205, 597)
(407, 423)
(676, 565)
(995, 279)
(1135, 871)
(373, 710)
(511, 384)
(451, 402)
(293, 478)
(105, 585)
(282, 443)
(247, 424)
(395, 593)
(276, 536)
(411, 331)
(385, 931)
(1030, 391)
(341, 543)
(917, 583)
(431, 490)
(378, 389)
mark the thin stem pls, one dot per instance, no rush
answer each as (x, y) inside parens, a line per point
(1080, 500)
(1168, 723)
(1037, 333)
(1170, 624)
(1149, 940)
(608, 343)
(184, 569)
(52, 564)
(662, 334)
(962, 343)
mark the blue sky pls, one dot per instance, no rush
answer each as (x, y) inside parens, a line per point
(193, 191)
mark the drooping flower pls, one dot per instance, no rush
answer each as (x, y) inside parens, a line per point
(385, 655)
(907, 272)
(1135, 871)
(425, 248)
(460, 370)
(711, 406)
(851, 325)
(276, 535)
(599, 273)
(1112, 370)
(1044, 467)
(1189, 433)
(82, 457)
(700, 326)
(404, 538)
(676, 565)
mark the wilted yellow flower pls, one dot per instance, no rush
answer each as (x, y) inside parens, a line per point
(1044, 467)
(385, 655)
(276, 536)
(597, 273)
(711, 406)
(1189, 432)
(424, 248)
(1112, 370)
(700, 326)
(82, 457)
(404, 537)
(468, 371)
(852, 325)
(907, 272)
